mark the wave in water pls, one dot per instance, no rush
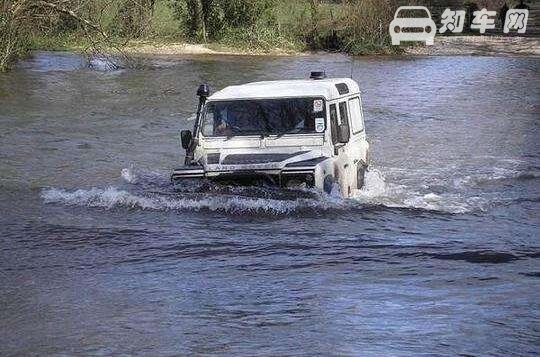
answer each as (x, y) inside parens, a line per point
(112, 197)
(497, 176)
(378, 192)
(151, 191)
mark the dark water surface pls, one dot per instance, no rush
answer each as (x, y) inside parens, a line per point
(100, 255)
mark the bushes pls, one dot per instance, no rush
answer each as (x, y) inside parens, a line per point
(365, 26)
(13, 39)
(353, 26)
(319, 25)
(254, 26)
(132, 18)
(24, 23)
(238, 23)
(258, 37)
(210, 20)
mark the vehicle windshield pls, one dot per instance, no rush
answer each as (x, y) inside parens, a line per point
(264, 117)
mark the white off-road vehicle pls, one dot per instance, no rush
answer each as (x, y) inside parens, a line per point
(290, 134)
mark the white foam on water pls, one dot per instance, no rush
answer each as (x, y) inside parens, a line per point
(112, 197)
(378, 191)
(128, 175)
(103, 63)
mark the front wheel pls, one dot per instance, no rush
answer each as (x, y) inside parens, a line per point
(360, 176)
(328, 184)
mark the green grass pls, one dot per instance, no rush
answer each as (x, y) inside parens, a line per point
(58, 42)
(163, 24)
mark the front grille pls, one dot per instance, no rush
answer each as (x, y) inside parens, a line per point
(245, 159)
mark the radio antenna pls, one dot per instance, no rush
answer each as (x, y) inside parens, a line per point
(352, 66)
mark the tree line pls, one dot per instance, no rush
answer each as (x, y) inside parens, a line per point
(106, 26)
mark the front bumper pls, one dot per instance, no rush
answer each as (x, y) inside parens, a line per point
(287, 177)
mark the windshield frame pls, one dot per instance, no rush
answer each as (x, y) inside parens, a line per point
(264, 134)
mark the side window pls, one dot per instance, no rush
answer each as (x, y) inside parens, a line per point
(343, 113)
(333, 123)
(357, 120)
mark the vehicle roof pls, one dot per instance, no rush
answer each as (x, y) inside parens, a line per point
(289, 88)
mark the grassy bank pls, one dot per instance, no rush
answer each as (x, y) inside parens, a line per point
(58, 42)
(244, 26)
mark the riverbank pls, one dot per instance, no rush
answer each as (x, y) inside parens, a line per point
(479, 46)
(180, 48)
(444, 46)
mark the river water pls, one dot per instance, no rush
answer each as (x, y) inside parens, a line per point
(100, 255)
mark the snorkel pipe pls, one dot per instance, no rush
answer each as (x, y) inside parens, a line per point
(202, 92)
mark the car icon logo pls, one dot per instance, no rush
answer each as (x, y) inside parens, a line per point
(412, 23)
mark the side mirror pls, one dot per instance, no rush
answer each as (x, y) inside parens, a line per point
(343, 133)
(185, 137)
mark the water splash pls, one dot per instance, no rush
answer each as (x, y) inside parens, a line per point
(128, 175)
(378, 191)
(153, 191)
(113, 197)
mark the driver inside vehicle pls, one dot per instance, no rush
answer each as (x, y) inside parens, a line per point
(224, 123)
(236, 118)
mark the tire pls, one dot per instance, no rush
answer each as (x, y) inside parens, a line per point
(328, 184)
(360, 176)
